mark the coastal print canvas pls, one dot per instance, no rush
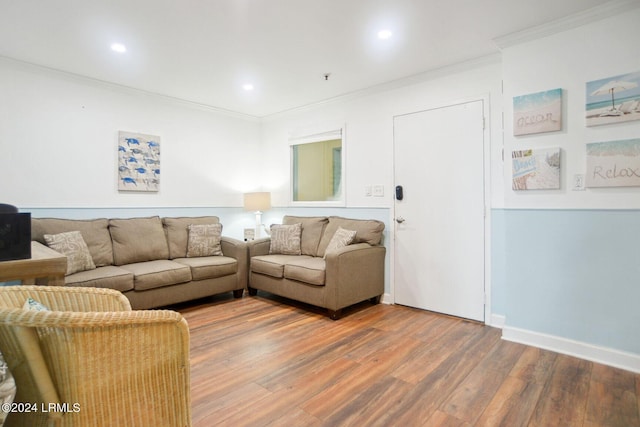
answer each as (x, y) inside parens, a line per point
(138, 162)
(613, 164)
(536, 169)
(537, 112)
(613, 100)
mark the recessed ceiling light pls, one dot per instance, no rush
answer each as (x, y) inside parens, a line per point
(118, 47)
(384, 34)
(247, 86)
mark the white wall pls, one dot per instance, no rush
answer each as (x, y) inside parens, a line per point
(369, 130)
(568, 60)
(58, 144)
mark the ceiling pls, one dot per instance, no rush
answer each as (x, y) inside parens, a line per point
(204, 51)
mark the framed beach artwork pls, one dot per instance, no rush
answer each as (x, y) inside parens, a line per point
(536, 169)
(613, 100)
(138, 162)
(537, 112)
(613, 164)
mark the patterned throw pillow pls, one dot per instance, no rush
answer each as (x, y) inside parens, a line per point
(204, 240)
(285, 239)
(340, 239)
(74, 247)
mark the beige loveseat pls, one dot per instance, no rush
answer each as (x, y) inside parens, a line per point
(332, 279)
(146, 258)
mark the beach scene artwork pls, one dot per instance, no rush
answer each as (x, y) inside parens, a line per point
(613, 164)
(613, 100)
(138, 162)
(536, 169)
(537, 112)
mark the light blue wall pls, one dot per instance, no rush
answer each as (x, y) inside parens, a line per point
(570, 273)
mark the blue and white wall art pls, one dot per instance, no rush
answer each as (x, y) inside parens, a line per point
(613, 100)
(536, 169)
(537, 112)
(613, 164)
(138, 162)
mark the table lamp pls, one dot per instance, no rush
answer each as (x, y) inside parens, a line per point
(258, 203)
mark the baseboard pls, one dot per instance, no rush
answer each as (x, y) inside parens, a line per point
(386, 299)
(497, 321)
(594, 353)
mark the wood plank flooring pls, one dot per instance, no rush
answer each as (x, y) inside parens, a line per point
(265, 361)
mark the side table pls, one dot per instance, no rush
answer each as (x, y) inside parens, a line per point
(44, 263)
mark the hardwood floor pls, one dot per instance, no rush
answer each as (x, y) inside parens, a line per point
(259, 361)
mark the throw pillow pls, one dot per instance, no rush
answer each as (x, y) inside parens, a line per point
(31, 304)
(204, 240)
(74, 247)
(340, 239)
(285, 239)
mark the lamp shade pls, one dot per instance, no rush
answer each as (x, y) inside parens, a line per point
(255, 202)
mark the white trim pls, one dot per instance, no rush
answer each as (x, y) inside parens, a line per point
(386, 299)
(594, 353)
(497, 321)
(588, 16)
(128, 90)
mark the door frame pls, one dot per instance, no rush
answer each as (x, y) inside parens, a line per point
(487, 143)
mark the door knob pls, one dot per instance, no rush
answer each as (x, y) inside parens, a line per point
(399, 220)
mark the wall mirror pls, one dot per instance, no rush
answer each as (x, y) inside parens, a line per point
(317, 169)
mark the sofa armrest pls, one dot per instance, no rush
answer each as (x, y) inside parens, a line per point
(237, 249)
(353, 274)
(259, 246)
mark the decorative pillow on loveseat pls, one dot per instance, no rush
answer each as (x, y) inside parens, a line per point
(285, 239)
(204, 240)
(74, 247)
(340, 239)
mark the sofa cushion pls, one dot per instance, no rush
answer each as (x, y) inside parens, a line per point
(138, 240)
(340, 239)
(273, 265)
(367, 231)
(109, 276)
(312, 229)
(285, 239)
(178, 232)
(308, 270)
(72, 245)
(210, 267)
(95, 233)
(156, 274)
(204, 240)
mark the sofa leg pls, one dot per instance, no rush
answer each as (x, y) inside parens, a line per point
(375, 300)
(335, 314)
(252, 292)
(237, 293)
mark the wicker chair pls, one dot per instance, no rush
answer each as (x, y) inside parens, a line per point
(92, 361)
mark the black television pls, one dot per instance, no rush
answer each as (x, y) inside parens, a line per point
(15, 236)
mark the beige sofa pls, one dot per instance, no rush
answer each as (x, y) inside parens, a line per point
(332, 279)
(146, 259)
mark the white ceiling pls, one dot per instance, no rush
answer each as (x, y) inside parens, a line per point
(203, 51)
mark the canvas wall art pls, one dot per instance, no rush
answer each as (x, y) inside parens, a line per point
(537, 112)
(613, 100)
(613, 164)
(536, 169)
(138, 162)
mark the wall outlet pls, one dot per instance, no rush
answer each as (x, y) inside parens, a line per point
(578, 182)
(378, 190)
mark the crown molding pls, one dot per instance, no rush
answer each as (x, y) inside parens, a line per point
(90, 81)
(588, 16)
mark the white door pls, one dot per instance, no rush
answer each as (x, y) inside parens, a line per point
(439, 223)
